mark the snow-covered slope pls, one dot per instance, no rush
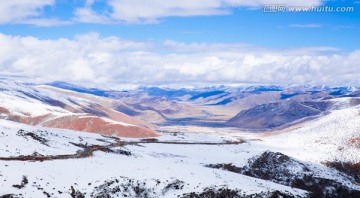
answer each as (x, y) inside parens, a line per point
(333, 137)
(30, 167)
(46, 162)
(31, 105)
(317, 158)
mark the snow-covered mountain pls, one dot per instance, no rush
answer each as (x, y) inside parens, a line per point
(45, 152)
(46, 162)
(37, 105)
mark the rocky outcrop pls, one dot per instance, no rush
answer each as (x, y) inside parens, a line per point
(282, 169)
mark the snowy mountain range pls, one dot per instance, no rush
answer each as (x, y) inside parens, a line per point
(267, 141)
(44, 106)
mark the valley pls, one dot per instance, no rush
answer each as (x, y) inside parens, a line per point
(179, 99)
(189, 145)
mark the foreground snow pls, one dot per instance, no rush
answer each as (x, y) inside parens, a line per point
(334, 137)
(148, 164)
(155, 169)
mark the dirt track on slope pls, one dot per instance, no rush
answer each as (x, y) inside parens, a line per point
(88, 151)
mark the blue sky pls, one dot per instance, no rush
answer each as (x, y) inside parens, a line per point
(206, 24)
(241, 24)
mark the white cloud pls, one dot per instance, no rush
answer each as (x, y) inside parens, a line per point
(310, 25)
(126, 11)
(44, 22)
(150, 11)
(88, 15)
(144, 11)
(345, 27)
(114, 60)
(17, 10)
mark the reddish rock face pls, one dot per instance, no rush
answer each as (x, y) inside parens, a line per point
(100, 126)
(68, 110)
(3, 110)
(89, 123)
(355, 142)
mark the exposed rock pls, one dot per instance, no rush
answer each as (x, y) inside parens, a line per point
(76, 193)
(225, 192)
(282, 169)
(272, 115)
(24, 182)
(34, 136)
(354, 101)
(352, 170)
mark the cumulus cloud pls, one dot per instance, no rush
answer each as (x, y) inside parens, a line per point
(19, 10)
(150, 11)
(96, 59)
(88, 15)
(126, 11)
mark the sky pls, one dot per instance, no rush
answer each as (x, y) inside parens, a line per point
(181, 42)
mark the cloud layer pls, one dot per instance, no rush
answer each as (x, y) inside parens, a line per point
(124, 11)
(150, 11)
(15, 11)
(114, 60)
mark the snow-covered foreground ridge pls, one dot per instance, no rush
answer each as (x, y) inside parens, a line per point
(43, 107)
(334, 137)
(125, 157)
(45, 162)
